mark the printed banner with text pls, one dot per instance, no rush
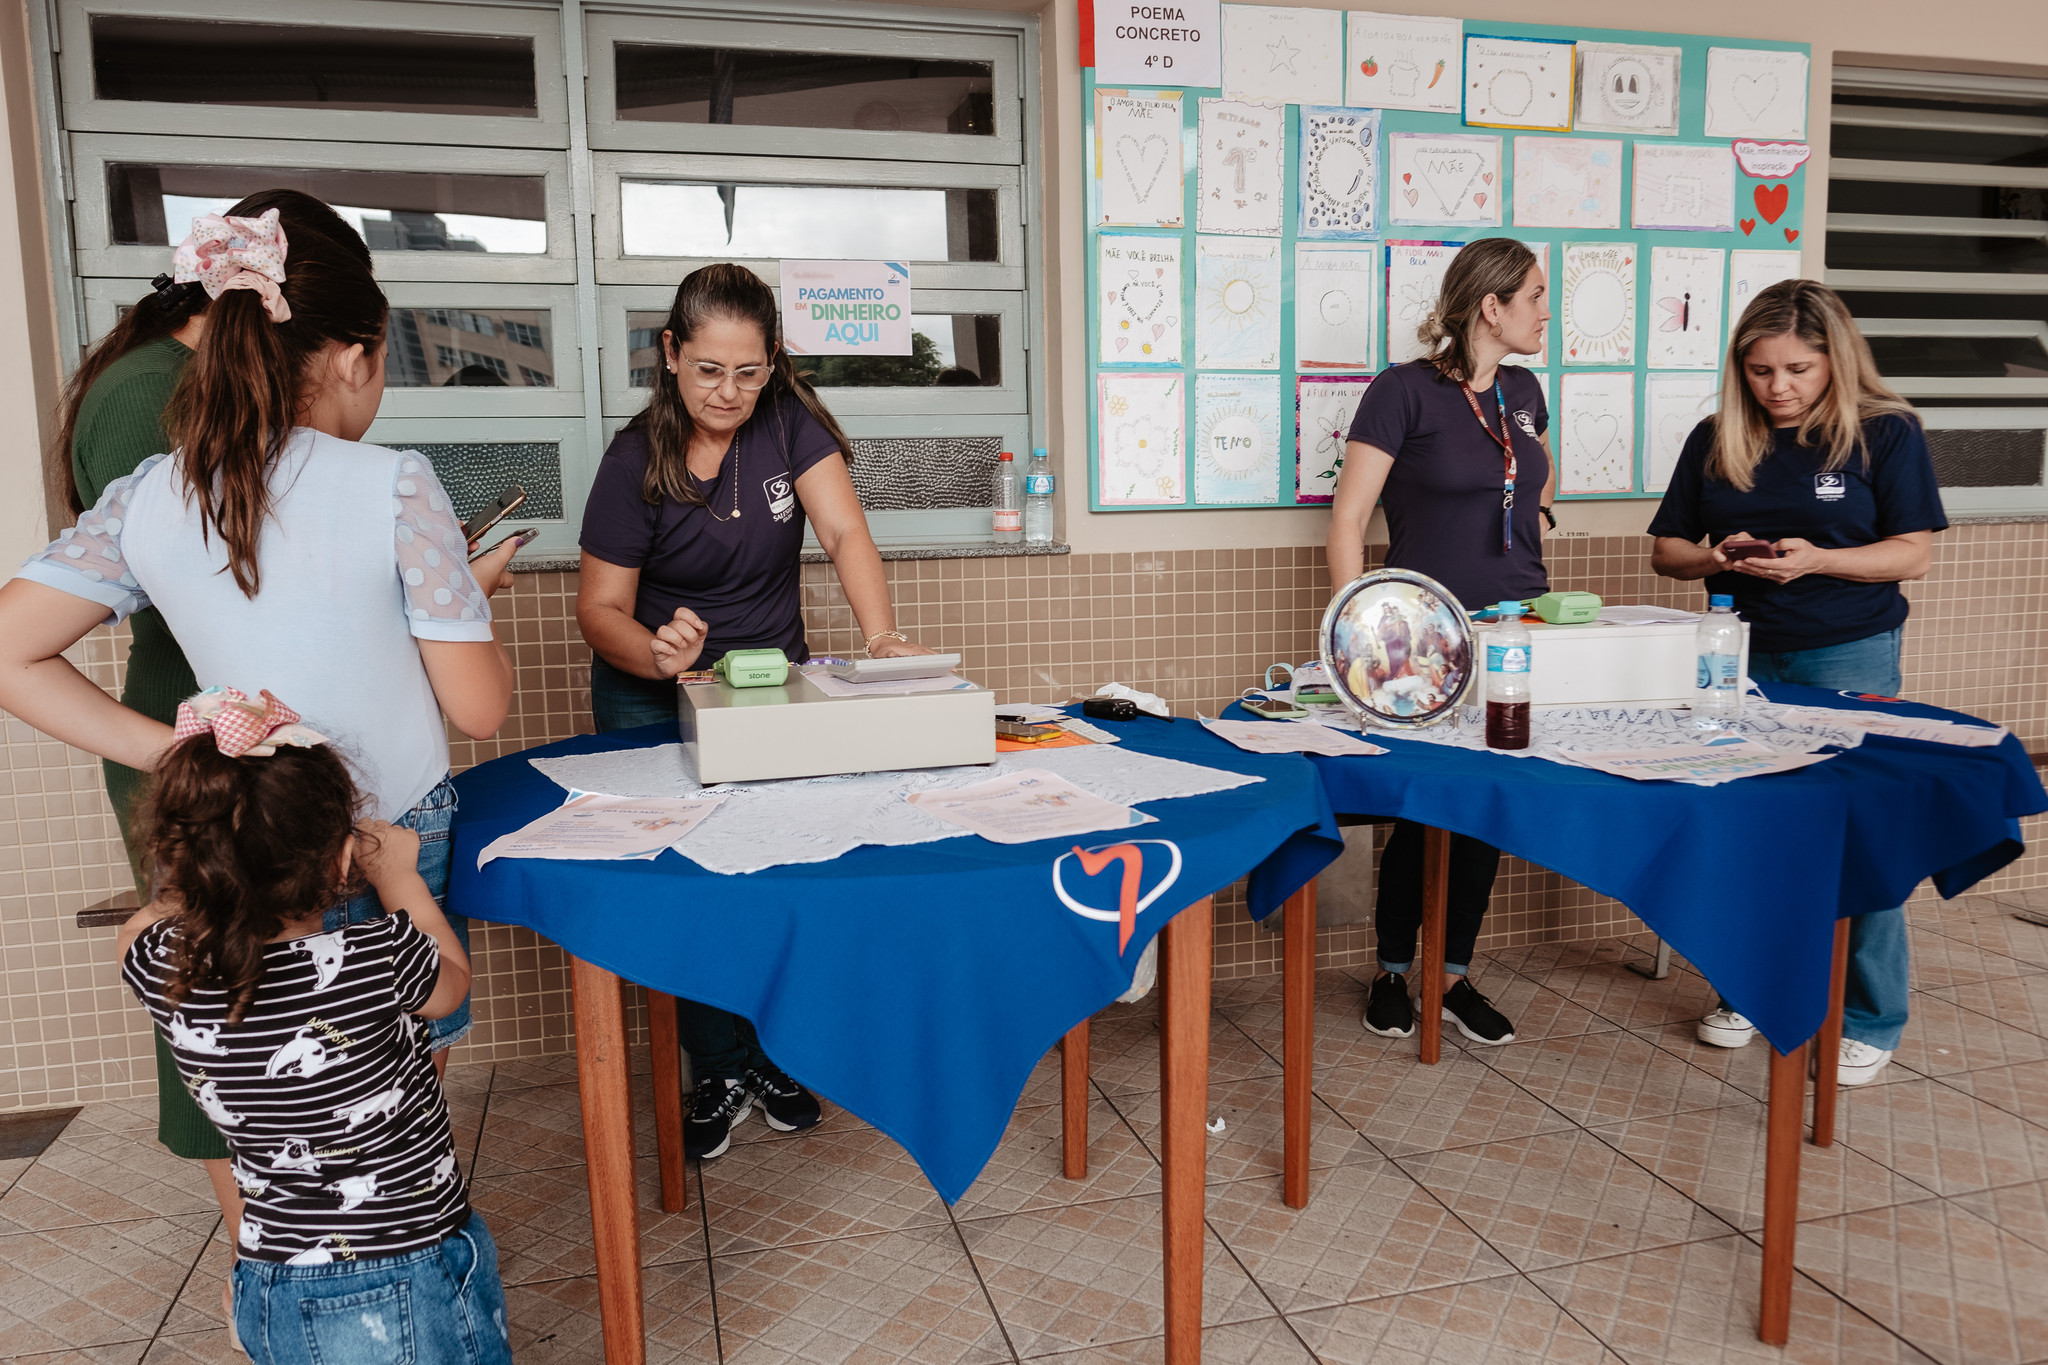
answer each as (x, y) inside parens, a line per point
(846, 307)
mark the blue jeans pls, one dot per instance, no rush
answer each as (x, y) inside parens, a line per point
(433, 819)
(441, 1305)
(720, 1043)
(1874, 1003)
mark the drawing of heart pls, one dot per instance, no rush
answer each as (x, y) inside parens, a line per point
(1748, 225)
(1486, 177)
(1771, 200)
(1158, 330)
(1122, 342)
(1142, 300)
(1596, 434)
(1142, 159)
(1407, 177)
(1411, 195)
(1450, 180)
(1480, 200)
(1754, 95)
(1791, 234)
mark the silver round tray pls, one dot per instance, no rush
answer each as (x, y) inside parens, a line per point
(1398, 647)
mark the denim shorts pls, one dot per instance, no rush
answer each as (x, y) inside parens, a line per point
(433, 819)
(440, 1305)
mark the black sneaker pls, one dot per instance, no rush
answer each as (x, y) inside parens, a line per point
(1388, 1011)
(1475, 1015)
(715, 1106)
(787, 1106)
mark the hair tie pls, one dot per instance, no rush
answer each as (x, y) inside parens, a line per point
(236, 253)
(242, 728)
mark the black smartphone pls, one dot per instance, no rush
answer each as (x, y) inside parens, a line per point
(1109, 708)
(504, 506)
(1749, 549)
(521, 537)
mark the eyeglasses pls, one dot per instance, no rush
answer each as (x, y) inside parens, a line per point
(705, 375)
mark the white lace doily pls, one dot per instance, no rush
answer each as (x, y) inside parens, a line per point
(1557, 734)
(815, 819)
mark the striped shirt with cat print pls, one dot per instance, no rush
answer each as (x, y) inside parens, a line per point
(336, 1122)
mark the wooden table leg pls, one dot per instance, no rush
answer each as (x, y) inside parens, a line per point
(1781, 1192)
(1298, 1054)
(1074, 1102)
(666, 1046)
(603, 1080)
(1827, 1069)
(1184, 969)
(1436, 890)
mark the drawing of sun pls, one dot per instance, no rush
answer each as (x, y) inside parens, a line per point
(1600, 307)
(1235, 296)
(1235, 444)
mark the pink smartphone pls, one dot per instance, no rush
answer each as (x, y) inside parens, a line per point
(1749, 549)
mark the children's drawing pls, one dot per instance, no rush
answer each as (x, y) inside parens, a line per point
(1596, 427)
(1334, 288)
(1683, 188)
(1237, 438)
(1240, 168)
(1443, 181)
(1629, 89)
(1138, 428)
(1323, 409)
(1237, 303)
(1403, 61)
(1685, 308)
(1756, 93)
(1415, 274)
(1139, 305)
(1540, 357)
(1674, 404)
(1750, 272)
(1138, 159)
(1340, 172)
(1599, 303)
(1543, 387)
(1518, 82)
(1567, 182)
(1274, 55)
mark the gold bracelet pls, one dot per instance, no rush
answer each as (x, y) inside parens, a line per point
(869, 648)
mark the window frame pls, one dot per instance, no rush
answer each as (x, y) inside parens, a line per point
(2017, 501)
(558, 536)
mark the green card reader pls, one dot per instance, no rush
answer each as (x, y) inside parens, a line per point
(753, 668)
(1568, 608)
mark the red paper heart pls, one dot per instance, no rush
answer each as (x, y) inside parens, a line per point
(1791, 234)
(1771, 200)
(1406, 178)
(1748, 225)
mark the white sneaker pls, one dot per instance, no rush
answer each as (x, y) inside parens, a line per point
(1725, 1028)
(1860, 1062)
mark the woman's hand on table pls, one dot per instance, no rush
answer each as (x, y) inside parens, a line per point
(1796, 559)
(889, 647)
(677, 644)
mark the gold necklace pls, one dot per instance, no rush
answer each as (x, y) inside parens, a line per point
(733, 454)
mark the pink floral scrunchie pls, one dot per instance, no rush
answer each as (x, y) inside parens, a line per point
(236, 253)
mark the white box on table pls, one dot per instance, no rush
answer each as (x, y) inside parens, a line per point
(753, 734)
(1596, 665)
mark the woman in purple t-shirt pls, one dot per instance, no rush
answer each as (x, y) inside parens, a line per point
(691, 538)
(1446, 442)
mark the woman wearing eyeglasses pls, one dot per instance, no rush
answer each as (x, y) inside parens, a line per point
(691, 538)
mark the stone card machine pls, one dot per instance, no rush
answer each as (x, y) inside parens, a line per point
(798, 729)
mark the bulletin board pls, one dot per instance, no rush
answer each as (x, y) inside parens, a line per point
(1229, 339)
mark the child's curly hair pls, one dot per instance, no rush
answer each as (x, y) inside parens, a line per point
(236, 846)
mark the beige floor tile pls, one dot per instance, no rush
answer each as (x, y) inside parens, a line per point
(98, 1177)
(123, 1353)
(2020, 1001)
(558, 1322)
(1946, 1280)
(1943, 1038)
(1253, 1140)
(2021, 1210)
(1536, 959)
(533, 1128)
(1941, 1138)
(541, 1222)
(1405, 1107)
(1506, 1321)
(1090, 1275)
(11, 1171)
(1340, 1036)
(1268, 1341)
(1609, 1077)
(1613, 992)
(211, 1347)
(1124, 1052)
(90, 1286)
(2021, 1089)
(469, 1078)
(1748, 1069)
(1236, 992)
(1940, 959)
(1368, 1231)
(136, 1114)
(1044, 1085)
(1028, 1171)
(555, 1068)
(1533, 1008)
(197, 1308)
(1990, 925)
(1715, 1157)
(1557, 1197)
(829, 1182)
(1682, 1305)
(895, 1296)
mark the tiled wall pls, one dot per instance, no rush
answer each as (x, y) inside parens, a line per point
(1195, 626)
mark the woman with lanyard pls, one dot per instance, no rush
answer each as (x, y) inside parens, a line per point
(1449, 442)
(691, 539)
(1813, 452)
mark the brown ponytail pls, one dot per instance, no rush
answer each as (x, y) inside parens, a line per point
(1497, 266)
(241, 395)
(731, 293)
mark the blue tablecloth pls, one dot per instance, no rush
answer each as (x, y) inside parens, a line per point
(1745, 879)
(918, 986)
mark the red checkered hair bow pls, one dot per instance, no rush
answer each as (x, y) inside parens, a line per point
(242, 728)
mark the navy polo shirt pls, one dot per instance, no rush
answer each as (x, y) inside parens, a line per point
(1894, 494)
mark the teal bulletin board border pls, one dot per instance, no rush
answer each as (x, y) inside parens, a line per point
(1691, 131)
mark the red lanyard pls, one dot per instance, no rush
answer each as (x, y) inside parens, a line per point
(1507, 446)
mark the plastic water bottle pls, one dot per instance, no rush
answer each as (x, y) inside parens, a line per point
(1507, 681)
(1717, 695)
(1009, 509)
(1038, 482)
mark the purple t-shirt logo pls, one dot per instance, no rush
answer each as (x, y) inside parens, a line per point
(781, 496)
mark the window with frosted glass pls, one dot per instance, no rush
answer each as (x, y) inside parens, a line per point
(659, 83)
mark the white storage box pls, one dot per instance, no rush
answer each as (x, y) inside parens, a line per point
(752, 734)
(1596, 665)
